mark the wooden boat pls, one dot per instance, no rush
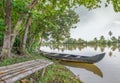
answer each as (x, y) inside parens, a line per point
(74, 58)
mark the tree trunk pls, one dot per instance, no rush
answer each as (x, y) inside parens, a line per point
(6, 50)
(28, 22)
(41, 38)
(8, 38)
(17, 27)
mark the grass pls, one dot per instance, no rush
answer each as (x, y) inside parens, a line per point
(17, 59)
(55, 73)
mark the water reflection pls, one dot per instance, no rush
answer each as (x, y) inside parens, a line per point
(80, 47)
(90, 67)
(105, 71)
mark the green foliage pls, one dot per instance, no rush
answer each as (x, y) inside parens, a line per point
(98, 41)
(17, 59)
(17, 42)
(55, 73)
(2, 25)
(1, 38)
(90, 4)
(52, 74)
(74, 41)
(58, 74)
(54, 28)
(115, 3)
(51, 19)
(20, 5)
(2, 22)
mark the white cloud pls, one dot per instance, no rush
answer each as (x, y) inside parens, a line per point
(117, 22)
(96, 23)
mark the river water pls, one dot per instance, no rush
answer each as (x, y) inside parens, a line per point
(105, 71)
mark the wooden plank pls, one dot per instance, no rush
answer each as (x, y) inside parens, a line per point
(18, 71)
(17, 64)
(13, 70)
(11, 67)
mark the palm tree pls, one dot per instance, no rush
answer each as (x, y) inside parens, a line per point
(102, 39)
(110, 33)
(118, 39)
(114, 39)
(95, 40)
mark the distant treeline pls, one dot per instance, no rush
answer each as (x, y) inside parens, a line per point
(101, 40)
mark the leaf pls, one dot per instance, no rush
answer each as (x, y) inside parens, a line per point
(24, 81)
(1, 72)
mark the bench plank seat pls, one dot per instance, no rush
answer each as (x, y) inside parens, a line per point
(12, 73)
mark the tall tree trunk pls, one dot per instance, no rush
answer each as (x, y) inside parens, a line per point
(16, 29)
(6, 50)
(28, 22)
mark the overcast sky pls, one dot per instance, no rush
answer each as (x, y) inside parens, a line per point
(96, 22)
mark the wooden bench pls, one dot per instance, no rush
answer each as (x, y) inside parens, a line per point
(12, 73)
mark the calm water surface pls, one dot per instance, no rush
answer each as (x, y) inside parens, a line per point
(105, 71)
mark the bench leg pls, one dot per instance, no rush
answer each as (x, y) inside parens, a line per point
(43, 72)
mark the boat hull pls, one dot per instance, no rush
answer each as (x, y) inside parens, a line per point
(74, 58)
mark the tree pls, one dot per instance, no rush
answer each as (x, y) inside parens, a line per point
(114, 39)
(102, 39)
(115, 3)
(110, 33)
(37, 8)
(27, 25)
(20, 20)
(80, 41)
(8, 37)
(118, 39)
(95, 39)
(54, 28)
(6, 50)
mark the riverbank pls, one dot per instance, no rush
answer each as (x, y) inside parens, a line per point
(55, 73)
